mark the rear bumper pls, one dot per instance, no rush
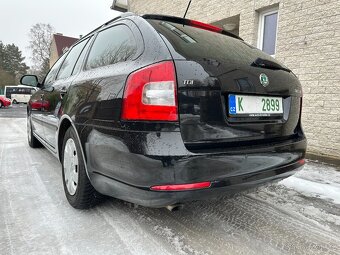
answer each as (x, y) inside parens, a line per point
(231, 185)
(115, 170)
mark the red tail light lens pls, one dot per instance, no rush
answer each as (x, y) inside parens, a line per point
(181, 187)
(150, 94)
(205, 26)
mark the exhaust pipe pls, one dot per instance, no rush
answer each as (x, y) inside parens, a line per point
(175, 207)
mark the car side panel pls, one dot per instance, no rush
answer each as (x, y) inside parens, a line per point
(51, 110)
(94, 100)
(36, 107)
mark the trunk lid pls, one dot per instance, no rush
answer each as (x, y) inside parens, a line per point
(210, 68)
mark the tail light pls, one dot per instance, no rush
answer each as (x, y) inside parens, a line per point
(150, 94)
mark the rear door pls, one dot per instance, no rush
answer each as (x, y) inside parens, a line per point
(215, 73)
(53, 97)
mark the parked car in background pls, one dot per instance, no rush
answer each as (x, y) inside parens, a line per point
(160, 110)
(20, 93)
(4, 102)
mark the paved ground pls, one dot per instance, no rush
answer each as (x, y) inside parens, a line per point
(300, 215)
(14, 111)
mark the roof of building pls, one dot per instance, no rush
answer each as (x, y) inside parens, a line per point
(63, 42)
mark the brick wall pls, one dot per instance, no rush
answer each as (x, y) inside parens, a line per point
(308, 42)
(53, 53)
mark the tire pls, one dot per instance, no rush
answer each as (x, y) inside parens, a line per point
(0, 104)
(78, 189)
(33, 142)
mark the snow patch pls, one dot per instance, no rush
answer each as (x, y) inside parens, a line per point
(175, 240)
(328, 190)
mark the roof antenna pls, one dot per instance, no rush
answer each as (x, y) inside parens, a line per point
(185, 14)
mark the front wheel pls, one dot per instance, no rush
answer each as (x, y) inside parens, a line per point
(78, 189)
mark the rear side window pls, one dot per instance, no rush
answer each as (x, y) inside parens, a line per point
(68, 65)
(81, 58)
(112, 45)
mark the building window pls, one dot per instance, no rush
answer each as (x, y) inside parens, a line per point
(268, 31)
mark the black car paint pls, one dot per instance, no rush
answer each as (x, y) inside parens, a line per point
(124, 159)
(215, 74)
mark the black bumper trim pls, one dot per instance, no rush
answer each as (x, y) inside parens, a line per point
(145, 197)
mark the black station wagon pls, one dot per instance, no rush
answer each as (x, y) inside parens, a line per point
(159, 110)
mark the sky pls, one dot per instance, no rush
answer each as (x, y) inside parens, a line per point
(69, 17)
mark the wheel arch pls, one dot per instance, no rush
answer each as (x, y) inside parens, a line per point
(63, 126)
(65, 123)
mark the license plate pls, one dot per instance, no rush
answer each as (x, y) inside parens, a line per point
(255, 106)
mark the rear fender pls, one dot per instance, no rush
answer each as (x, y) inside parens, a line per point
(63, 119)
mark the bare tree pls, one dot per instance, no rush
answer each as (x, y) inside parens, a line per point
(40, 42)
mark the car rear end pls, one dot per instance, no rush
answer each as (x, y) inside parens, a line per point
(217, 117)
(5, 101)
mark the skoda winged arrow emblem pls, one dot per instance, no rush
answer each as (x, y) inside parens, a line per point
(264, 80)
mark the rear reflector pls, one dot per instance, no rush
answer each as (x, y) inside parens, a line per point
(150, 94)
(302, 161)
(179, 187)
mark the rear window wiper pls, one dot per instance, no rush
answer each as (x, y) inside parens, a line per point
(264, 63)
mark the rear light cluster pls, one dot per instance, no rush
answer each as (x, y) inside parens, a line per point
(150, 94)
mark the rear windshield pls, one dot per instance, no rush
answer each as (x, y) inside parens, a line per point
(199, 44)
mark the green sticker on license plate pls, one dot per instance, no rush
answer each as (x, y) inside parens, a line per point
(255, 105)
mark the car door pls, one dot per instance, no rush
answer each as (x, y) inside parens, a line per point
(54, 97)
(37, 104)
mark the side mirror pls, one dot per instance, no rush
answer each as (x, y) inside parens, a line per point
(120, 5)
(29, 80)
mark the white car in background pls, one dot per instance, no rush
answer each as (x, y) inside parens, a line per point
(19, 93)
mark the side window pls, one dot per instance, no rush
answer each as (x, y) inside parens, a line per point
(112, 45)
(68, 64)
(52, 73)
(81, 58)
(268, 22)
